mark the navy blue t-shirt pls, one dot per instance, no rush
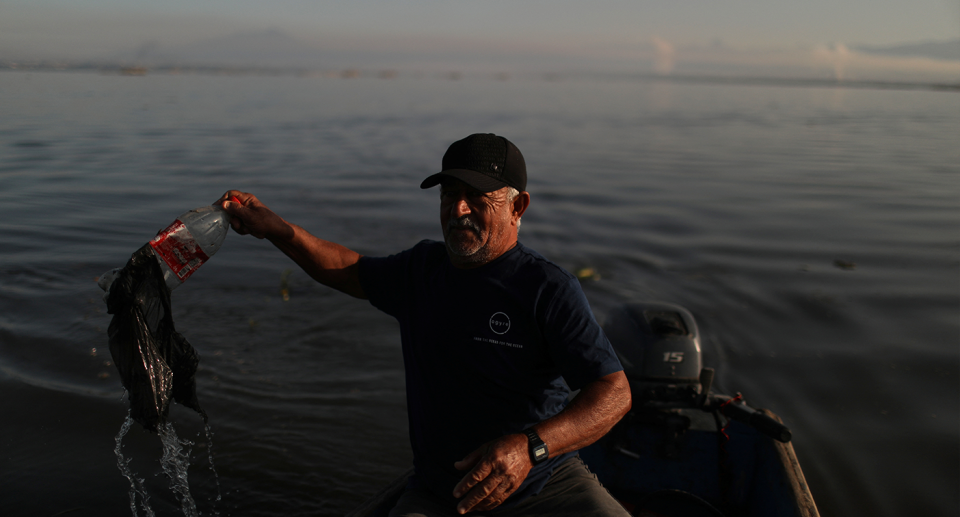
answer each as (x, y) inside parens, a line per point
(486, 351)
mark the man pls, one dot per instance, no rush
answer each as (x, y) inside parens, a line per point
(491, 331)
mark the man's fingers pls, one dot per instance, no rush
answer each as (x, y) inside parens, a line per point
(496, 497)
(472, 478)
(485, 487)
(497, 469)
(236, 222)
(227, 195)
(233, 199)
(236, 198)
(481, 496)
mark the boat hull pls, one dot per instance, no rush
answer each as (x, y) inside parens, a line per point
(747, 474)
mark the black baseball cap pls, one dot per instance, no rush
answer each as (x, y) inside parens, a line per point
(484, 161)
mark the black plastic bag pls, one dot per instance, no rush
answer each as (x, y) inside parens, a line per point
(155, 362)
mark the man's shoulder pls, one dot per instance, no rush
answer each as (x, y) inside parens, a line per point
(530, 259)
(422, 254)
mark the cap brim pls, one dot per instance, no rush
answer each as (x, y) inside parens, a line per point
(477, 180)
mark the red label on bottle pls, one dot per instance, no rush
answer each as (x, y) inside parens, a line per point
(177, 247)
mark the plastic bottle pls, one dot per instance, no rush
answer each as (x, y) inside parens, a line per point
(188, 242)
(184, 246)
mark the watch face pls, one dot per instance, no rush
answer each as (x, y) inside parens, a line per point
(539, 453)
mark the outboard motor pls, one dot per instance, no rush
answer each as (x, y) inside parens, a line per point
(669, 455)
(659, 348)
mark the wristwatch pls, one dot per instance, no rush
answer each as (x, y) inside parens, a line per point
(538, 449)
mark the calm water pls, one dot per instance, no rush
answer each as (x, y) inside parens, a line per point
(734, 201)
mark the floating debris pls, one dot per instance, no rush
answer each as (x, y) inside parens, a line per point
(156, 363)
(587, 273)
(285, 284)
(844, 264)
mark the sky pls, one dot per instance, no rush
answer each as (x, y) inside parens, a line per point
(663, 32)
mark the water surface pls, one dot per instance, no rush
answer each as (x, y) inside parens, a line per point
(811, 231)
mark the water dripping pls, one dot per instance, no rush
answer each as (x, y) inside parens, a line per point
(136, 483)
(216, 477)
(175, 462)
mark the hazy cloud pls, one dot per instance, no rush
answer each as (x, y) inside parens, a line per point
(836, 55)
(665, 56)
(626, 37)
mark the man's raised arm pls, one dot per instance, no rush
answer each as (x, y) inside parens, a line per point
(326, 262)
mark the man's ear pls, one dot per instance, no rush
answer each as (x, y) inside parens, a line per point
(520, 204)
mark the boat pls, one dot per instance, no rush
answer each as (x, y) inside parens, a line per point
(682, 450)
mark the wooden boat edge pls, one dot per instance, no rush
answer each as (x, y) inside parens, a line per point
(803, 498)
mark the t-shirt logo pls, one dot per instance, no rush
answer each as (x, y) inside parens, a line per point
(499, 323)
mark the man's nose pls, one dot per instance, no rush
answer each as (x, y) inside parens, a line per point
(461, 208)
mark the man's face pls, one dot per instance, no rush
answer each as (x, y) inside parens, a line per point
(477, 227)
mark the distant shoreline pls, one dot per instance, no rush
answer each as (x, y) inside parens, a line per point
(355, 73)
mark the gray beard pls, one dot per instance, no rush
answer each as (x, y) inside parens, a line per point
(472, 254)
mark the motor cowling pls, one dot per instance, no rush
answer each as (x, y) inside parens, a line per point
(659, 347)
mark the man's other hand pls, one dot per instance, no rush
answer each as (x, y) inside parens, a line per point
(497, 469)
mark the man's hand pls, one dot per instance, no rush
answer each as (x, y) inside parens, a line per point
(253, 217)
(497, 469)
